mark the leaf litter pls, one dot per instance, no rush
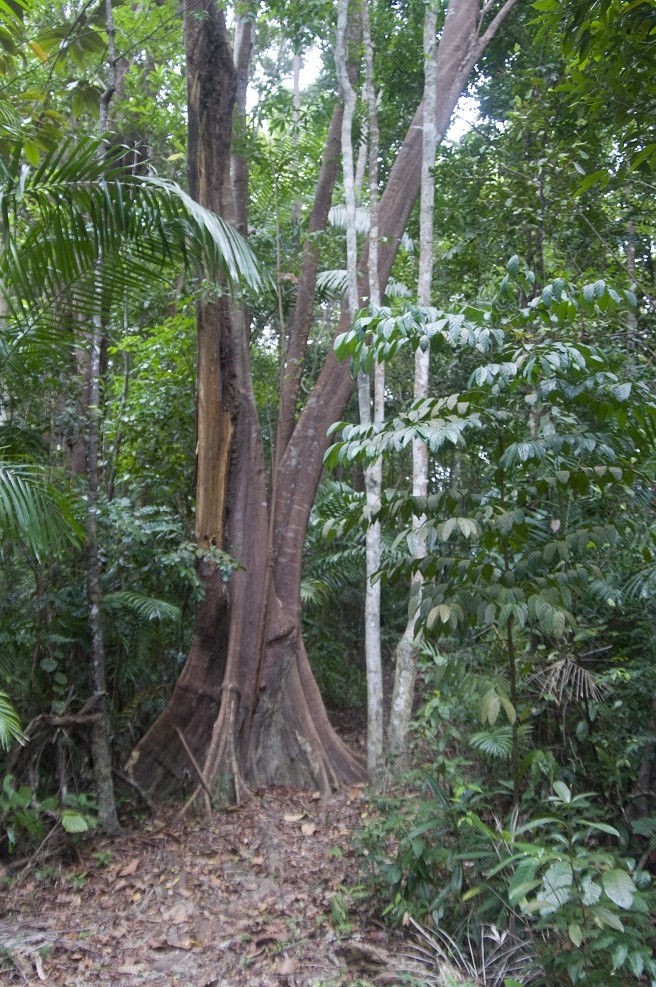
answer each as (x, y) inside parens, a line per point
(241, 901)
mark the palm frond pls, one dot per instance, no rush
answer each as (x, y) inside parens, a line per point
(497, 741)
(59, 219)
(337, 218)
(10, 725)
(567, 681)
(142, 606)
(641, 585)
(333, 284)
(33, 510)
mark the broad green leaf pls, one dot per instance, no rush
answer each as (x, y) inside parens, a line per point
(619, 887)
(620, 954)
(604, 917)
(490, 707)
(575, 933)
(591, 891)
(73, 822)
(556, 884)
(562, 791)
(637, 964)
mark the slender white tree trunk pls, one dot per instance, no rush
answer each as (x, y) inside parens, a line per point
(100, 747)
(406, 652)
(373, 475)
(375, 735)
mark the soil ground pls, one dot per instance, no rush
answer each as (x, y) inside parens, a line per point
(257, 896)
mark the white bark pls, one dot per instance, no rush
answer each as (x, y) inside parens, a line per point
(469, 27)
(100, 746)
(349, 100)
(373, 475)
(375, 734)
(406, 653)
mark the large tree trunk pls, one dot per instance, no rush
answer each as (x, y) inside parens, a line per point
(246, 703)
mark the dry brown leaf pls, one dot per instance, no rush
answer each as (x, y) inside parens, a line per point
(293, 816)
(276, 932)
(177, 915)
(130, 868)
(289, 965)
(132, 968)
(308, 829)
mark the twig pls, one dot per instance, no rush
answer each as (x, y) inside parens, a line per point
(131, 783)
(195, 766)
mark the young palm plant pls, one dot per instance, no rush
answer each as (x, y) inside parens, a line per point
(82, 238)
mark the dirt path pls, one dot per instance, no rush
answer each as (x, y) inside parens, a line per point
(256, 898)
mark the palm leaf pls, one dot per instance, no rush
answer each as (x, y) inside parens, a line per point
(60, 218)
(10, 725)
(33, 510)
(333, 284)
(566, 680)
(142, 606)
(337, 218)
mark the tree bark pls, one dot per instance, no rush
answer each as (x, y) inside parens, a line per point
(405, 668)
(246, 702)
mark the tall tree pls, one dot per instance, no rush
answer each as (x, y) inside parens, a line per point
(246, 707)
(406, 651)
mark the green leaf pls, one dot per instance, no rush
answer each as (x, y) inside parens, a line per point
(601, 827)
(604, 917)
(620, 954)
(73, 822)
(556, 884)
(562, 791)
(619, 886)
(575, 933)
(637, 964)
(490, 707)
(591, 891)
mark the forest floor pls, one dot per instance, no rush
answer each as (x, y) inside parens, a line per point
(260, 895)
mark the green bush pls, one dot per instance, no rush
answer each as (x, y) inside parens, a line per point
(557, 884)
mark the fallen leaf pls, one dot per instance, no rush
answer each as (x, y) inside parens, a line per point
(179, 913)
(132, 968)
(130, 868)
(293, 816)
(276, 932)
(308, 829)
(289, 965)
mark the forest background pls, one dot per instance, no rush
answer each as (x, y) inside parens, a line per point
(172, 588)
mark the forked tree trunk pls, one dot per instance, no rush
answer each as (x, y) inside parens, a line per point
(246, 703)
